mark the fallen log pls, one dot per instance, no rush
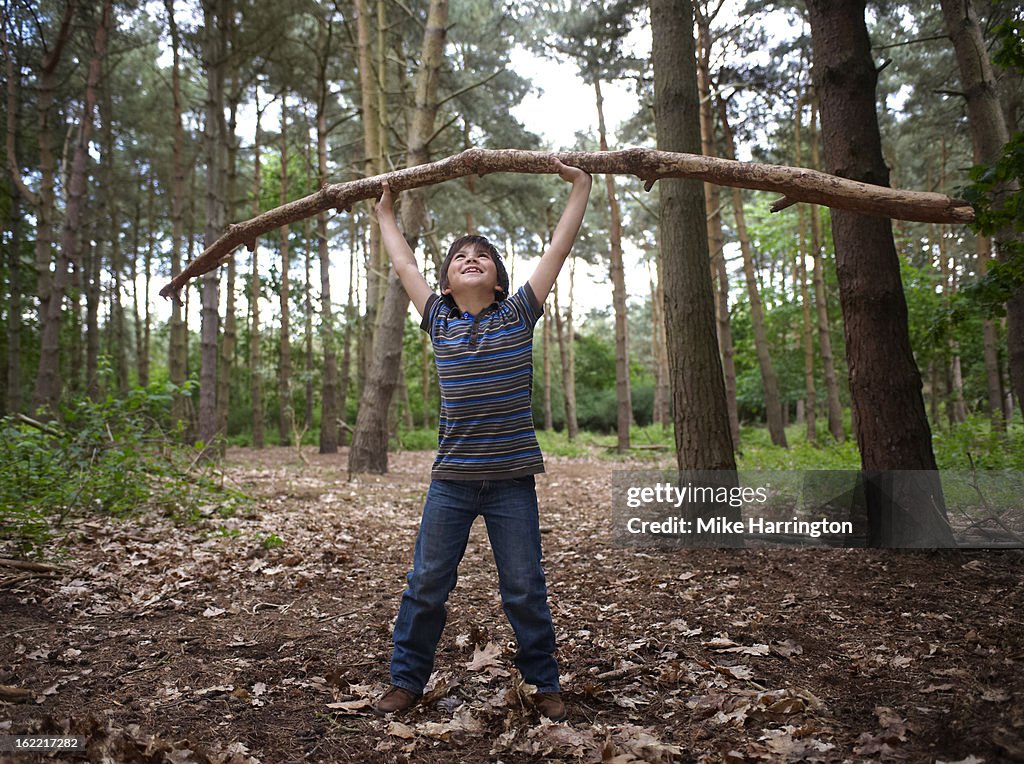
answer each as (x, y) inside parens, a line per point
(796, 184)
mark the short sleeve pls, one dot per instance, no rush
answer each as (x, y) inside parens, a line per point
(430, 309)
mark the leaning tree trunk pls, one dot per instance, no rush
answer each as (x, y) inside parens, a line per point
(772, 398)
(716, 239)
(623, 399)
(369, 451)
(989, 133)
(806, 331)
(835, 408)
(890, 422)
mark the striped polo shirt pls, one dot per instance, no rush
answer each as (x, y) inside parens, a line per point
(485, 371)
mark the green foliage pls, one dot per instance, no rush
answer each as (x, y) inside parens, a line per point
(973, 445)
(758, 453)
(115, 456)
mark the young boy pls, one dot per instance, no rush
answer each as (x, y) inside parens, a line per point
(487, 450)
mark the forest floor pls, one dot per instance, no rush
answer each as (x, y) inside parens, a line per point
(266, 636)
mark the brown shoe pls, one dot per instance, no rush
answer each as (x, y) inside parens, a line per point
(550, 705)
(395, 699)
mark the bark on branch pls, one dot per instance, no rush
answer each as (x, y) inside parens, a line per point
(796, 184)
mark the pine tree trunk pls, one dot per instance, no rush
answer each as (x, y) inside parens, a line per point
(565, 342)
(133, 273)
(905, 509)
(329, 413)
(229, 337)
(716, 240)
(13, 396)
(835, 407)
(700, 410)
(990, 335)
(147, 318)
(623, 399)
(351, 313)
(807, 332)
(43, 201)
(215, 14)
(176, 351)
(701, 413)
(369, 442)
(372, 166)
(546, 371)
(48, 377)
(772, 399)
(286, 416)
(307, 417)
(989, 133)
(955, 405)
(662, 385)
(255, 293)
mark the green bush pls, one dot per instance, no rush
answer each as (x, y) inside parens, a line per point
(115, 456)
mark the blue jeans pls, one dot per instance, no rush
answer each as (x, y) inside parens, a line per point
(509, 508)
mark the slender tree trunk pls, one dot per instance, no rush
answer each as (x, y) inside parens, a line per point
(134, 276)
(835, 408)
(307, 318)
(329, 398)
(176, 351)
(565, 342)
(286, 416)
(215, 14)
(43, 201)
(369, 443)
(13, 394)
(229, 338)
(772, 398)
(255, 293)
(546, 363)
(989, 133)
(351, 312)
(13, 399)
(624, 405)
(147, 316)
(955, 404)
(372, 166)
(716, 240)
(48, 378)
(662, 387)
(800, 273)
(906, 509)
(990, 341)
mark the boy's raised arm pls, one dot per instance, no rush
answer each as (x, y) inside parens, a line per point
(543, 279)
(401, 256)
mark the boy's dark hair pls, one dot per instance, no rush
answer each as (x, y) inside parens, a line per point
(486, 246)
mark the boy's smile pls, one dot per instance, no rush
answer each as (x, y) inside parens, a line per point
(472, 268)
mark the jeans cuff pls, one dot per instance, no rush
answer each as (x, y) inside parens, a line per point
(550, 688)
(407, 686)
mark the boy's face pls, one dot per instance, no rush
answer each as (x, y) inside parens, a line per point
(472, 268)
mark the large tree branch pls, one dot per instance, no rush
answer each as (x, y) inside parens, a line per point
(796, 184)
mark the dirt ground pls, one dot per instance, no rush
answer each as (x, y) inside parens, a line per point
(266, 636)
